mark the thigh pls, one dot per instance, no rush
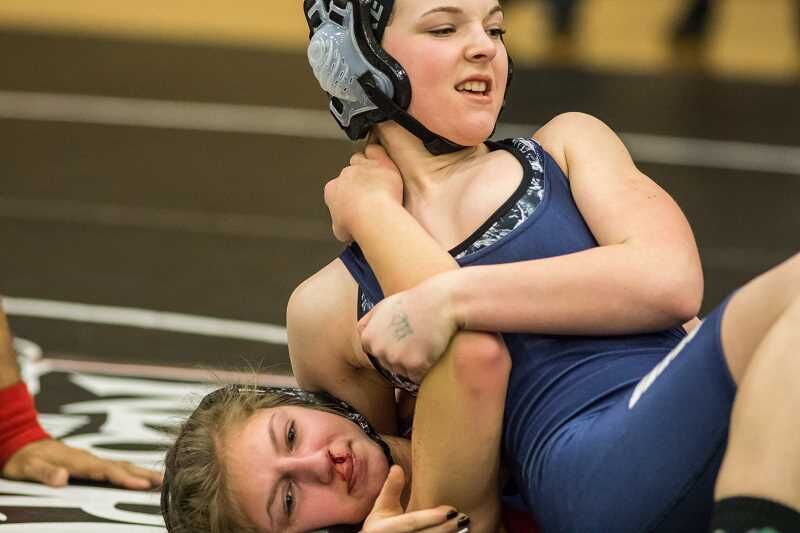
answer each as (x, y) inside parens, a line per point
(648, 457)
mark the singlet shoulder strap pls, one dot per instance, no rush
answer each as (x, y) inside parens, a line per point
(355, 262)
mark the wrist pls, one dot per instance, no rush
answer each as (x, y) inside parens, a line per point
(19, 425)
(373, 213)
(447, 285)
(8, 378)
(9, 372)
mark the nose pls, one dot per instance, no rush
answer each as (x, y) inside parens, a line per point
(481, 47)
(314, 467)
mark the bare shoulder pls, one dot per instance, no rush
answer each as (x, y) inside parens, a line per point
(564, 127)
(325, 350)
(320, 321)
(327, 290)
(569, 133)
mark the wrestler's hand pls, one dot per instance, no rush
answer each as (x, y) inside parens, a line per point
(355, 196)
(388, 516)
(408, 331)
(52, 462)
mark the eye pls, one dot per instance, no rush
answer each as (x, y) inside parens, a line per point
(497, 33)
(288, 500)
(441, 32)
(291, 434)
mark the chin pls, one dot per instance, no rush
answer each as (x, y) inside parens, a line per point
(469, 136)
(469, 128)
(470, 131)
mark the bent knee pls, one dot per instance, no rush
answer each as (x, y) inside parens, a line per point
(483, 362)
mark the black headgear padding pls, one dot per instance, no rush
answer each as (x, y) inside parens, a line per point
(435, 144)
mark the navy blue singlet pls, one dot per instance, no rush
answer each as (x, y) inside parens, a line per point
(561, 385)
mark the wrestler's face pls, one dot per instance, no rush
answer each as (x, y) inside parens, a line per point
(441, 44)
(296, 469)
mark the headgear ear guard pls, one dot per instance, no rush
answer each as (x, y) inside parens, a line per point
(303, 398)
(366, 84)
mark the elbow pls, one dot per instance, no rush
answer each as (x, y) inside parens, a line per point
(680, 299)
(687, 306)
(482, 364)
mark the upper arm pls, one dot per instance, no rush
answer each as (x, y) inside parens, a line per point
(620, 204)
(321, 327)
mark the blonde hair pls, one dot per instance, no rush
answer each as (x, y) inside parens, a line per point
(195, 496)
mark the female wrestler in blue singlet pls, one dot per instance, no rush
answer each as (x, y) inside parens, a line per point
(603, 431)
(611, 433)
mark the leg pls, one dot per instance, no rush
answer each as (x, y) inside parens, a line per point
(758, 487)
(762, 458)
(661, 438)
(676, 429)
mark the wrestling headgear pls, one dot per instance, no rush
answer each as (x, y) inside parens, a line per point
(366, 85)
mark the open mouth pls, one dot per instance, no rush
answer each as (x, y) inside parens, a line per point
(474, 87)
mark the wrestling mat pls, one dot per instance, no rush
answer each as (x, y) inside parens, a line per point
(115, 412)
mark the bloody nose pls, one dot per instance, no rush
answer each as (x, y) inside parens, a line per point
(338, 459)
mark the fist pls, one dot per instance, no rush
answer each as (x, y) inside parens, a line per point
(355, 195)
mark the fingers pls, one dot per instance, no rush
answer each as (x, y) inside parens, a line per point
(119, 473)
(361, 328)
(155, 477)
(82, 464)
(129, 476)
(387, 514)
(372, 152)
(358, 158)
(39, 470)
(329, 191)
(396, 358)
(52, 462)
(443, 519)
(388, 500)
(329, 194)
(375, 151)
(32, 463)
(364, 322)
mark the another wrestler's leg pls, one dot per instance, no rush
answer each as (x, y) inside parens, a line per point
(760, 475)
(754, 310)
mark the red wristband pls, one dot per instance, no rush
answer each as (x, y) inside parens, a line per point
(18, 422)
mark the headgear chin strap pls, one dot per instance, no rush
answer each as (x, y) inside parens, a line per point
(366, 85)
